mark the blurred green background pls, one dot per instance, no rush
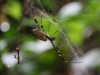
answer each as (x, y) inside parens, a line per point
(38, 57)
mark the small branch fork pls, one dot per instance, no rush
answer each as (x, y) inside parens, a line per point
(18, 55)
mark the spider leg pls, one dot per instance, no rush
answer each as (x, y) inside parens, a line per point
(41, 23)
(48, 26)
(55, 32)
(59, 53)
(71, 55)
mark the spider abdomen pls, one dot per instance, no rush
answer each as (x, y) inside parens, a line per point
(40, 34)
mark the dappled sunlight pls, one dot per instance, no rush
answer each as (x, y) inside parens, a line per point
(38, 46)
(5, 26)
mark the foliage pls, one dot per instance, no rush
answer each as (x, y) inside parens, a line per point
(46, 62)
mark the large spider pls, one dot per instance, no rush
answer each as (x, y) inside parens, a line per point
(43, 36)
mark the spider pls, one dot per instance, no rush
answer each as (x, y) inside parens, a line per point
(43, 36)
(39, 32)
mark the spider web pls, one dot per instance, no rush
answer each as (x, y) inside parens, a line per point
(66, 41)
(65, 38)
(63, 35)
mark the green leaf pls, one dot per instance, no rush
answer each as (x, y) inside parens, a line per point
(14, 9)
